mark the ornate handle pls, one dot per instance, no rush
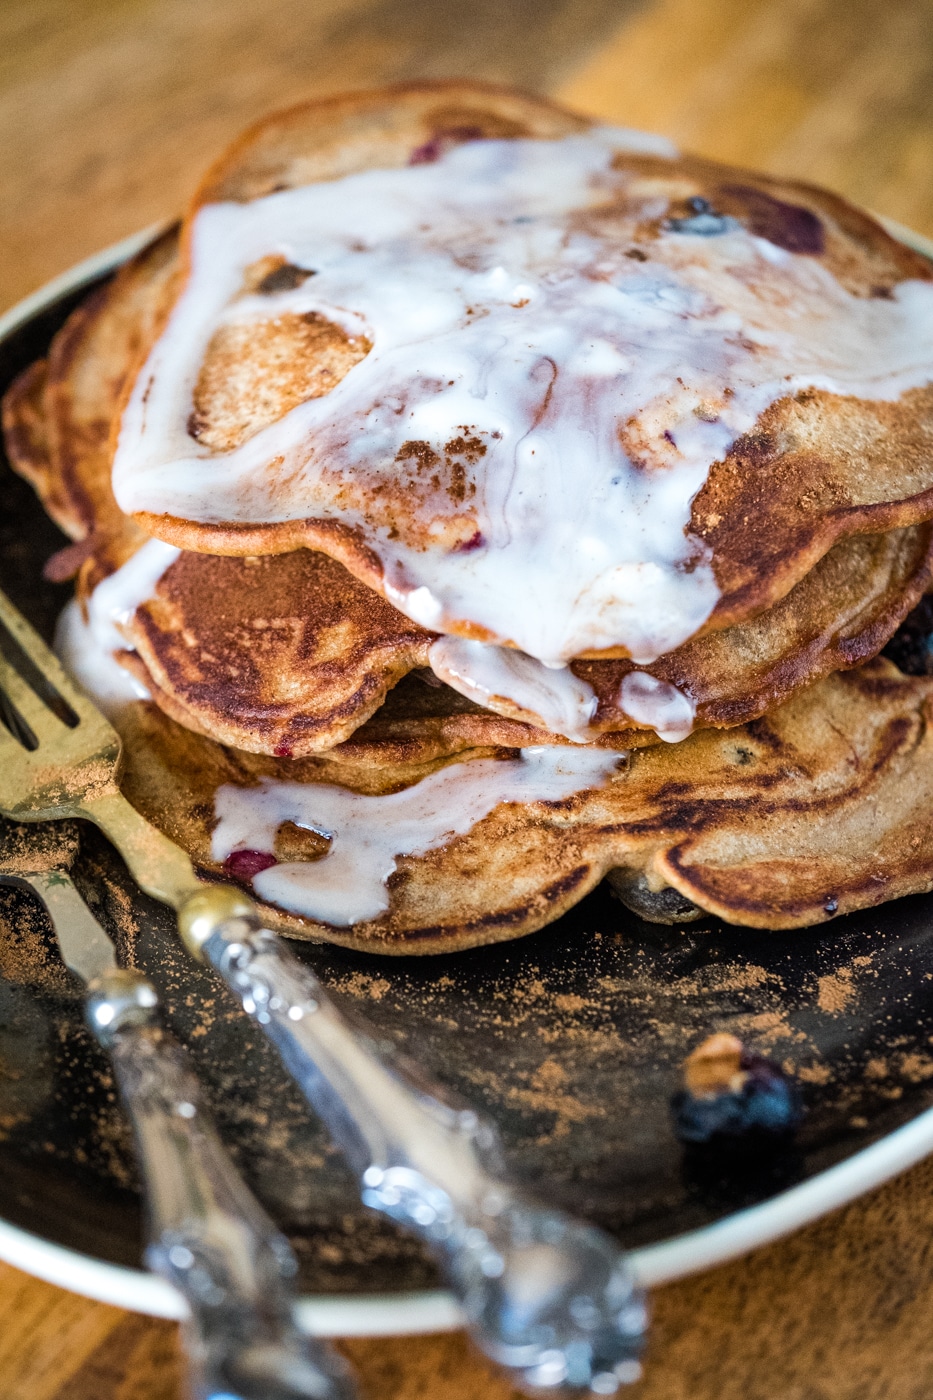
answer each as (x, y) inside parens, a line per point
(207, 1234)
(549, 1298)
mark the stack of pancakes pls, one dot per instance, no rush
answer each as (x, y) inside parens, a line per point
(271, 652)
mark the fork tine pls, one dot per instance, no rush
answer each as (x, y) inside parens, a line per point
(27, 704)
(35, 648)
(77, 772)
(46, 662)
(13, 728)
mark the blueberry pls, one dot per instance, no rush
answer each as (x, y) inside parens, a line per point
(731, 1094)
(703, 220)
(792, 227)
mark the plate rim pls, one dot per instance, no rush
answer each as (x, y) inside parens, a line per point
(436, 1310)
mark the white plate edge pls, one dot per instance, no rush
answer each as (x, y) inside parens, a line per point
(335, 1315)
(436, 1310)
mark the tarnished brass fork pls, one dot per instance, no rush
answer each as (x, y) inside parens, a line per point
(548, 1297)
(61, 758)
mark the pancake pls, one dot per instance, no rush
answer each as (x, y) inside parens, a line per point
(296, 736)
(821, 808)
(57, 415)
(87, 369)
(291, 655)
(814, 467)
(294, 653)
(26, 439)
(839, 615)
(350, 132)
(288, 654)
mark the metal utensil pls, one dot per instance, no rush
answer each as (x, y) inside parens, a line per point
(208, 1235)
(549, 1298)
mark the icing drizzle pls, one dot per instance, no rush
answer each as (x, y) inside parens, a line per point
(87, 645)
(503, 679)
(521, 445)
(368, 834)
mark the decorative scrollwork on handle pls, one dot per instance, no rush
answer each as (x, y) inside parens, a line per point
(548, 1297)
(207, 1233)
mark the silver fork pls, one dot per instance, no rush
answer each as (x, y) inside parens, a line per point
(548, 1297)
(208, 1235)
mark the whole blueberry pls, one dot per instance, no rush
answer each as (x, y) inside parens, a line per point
(730, 1094)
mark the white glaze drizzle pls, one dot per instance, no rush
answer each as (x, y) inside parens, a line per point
(95, 668)
(368, 834)
(87, 647)
(583, 542)
(509, 681)
(657, 705)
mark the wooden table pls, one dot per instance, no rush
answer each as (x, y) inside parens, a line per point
(108, 110)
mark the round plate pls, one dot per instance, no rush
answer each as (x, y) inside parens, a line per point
(571, 1040)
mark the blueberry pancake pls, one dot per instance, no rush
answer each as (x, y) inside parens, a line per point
(469, 502)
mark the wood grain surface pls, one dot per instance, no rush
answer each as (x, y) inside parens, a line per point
(108, 110)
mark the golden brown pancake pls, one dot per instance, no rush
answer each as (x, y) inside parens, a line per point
(293, 653)
(375, 129)
(840, 614)
(421, 726)
(288, 654)
(818, 467)
(57, 415)
(282, 655)
(821, 808)
(88, 364)
(270, 660)
(26, 439)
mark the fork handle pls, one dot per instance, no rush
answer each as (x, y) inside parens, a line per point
(208, 1236)
(540, 1290)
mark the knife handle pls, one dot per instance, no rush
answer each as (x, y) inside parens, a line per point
(547, 1296)
(208, 1236)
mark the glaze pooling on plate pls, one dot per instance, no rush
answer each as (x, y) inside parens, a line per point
(368, 834)
(522, 443)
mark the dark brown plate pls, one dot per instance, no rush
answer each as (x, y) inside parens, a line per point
(571, 1040)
